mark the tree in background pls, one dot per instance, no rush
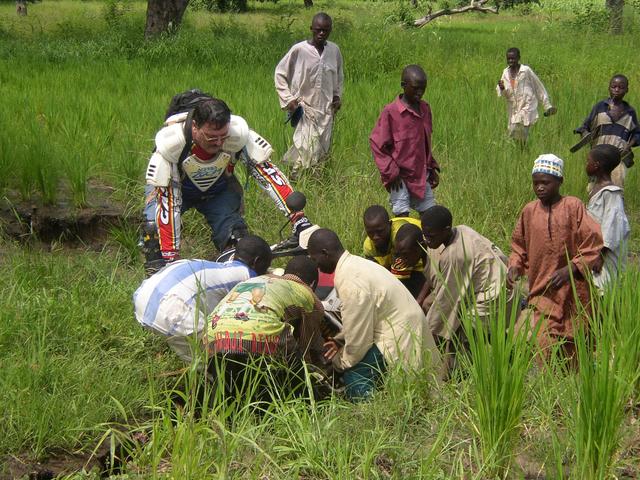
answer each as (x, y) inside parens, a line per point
(21, 7)
(166, 15)
(615, 8)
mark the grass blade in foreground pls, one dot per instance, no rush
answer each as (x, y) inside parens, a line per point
(608, 360)
(498, 361)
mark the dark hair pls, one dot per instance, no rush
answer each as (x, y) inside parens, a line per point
(621, 77)
(323, 238)
(408, 232)
(304, 268)
(252, 246)
(437, 217)
(413, 71)
(213, 111)
(375, 212)
(321, 16)
(515, 50)
(607, 156)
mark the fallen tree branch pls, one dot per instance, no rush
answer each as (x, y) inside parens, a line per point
(474, 6)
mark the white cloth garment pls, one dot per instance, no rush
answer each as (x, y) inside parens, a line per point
(523, 97)
(176, 300)
(467, 275)
(607, 208)
(378, 310)
(312, 79)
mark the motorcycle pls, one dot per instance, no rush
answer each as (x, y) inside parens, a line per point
(296, 245)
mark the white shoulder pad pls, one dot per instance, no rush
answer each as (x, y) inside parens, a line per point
(176, 118)
(258, 148)
(158, 171)
(238, 135)
(170, 142)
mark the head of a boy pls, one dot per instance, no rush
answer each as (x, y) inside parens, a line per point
(321, 26)
(378, 227)
(408, 244)
(547, 177)
(437, 223)
(602, 160)
(413, 83)
(618, 86)
(513, 57)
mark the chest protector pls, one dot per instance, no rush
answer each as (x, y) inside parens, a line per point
(204, 174)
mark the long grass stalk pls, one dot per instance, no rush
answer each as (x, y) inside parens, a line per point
(498, 360)
(608, 357)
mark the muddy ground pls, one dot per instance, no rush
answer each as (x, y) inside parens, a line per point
(34, 223)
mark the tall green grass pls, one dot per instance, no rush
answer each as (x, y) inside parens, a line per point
(82, 100)
(608, 359)
(498, 361)
(103, 91)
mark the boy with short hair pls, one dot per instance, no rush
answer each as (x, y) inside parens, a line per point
(555, 244)
(379, 246)
(522, 89)
(613, 121)
(606, 206)
(309, 80)
(401, 147)
(466, 273)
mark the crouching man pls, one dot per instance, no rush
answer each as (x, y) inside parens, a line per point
(382, 323)
(175, 301)
(263, 329)
(466, 273)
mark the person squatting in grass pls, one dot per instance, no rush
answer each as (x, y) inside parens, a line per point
(175, 301)
(200, 175)
(382, 238)
(465, 274)
(614, 122)
(263, 329)
(381, 322)
(522, 89)
(309, 81)
(556, 244)
(401, 147)
(606, 206)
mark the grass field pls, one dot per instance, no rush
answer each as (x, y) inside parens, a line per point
(83, 96)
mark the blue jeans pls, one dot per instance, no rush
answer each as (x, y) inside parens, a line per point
(221, 209)
(402, 201)
(361, 379)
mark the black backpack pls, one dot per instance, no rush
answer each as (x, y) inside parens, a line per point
(186, 102)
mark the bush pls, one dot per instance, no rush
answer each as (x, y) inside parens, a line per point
(590, 16)
(219, 5)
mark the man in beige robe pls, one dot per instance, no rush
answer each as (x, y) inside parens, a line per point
(310, 76)
(466, 273)
(381, 322)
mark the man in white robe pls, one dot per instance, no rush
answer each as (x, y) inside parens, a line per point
(310, 76)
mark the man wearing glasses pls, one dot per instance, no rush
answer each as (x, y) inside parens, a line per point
(195, 173)
(309, 81)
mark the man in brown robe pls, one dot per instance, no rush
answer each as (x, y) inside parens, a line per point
(556, 244)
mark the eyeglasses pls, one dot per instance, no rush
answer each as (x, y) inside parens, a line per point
(216, 139)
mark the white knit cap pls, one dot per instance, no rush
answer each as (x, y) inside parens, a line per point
(550, 164)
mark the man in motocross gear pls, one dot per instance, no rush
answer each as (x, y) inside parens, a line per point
(200, 176)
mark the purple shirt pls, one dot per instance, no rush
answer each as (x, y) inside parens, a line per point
(401, 146)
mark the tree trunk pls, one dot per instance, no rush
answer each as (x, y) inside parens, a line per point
(308, 3)
(21, 7)
(615, 8)
(164, 16)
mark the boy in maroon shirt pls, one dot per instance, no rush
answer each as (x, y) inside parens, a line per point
(401, 146)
